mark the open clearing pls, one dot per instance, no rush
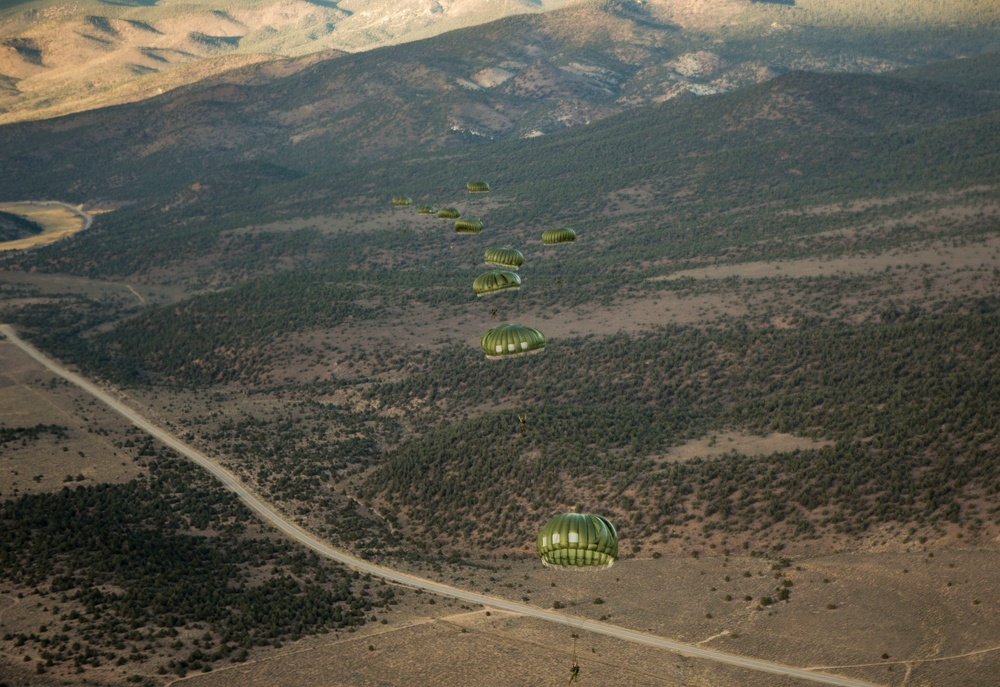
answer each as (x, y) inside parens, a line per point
(86, 455)
(971, 255)
(476, 648)
(58, 220)
(745, 444)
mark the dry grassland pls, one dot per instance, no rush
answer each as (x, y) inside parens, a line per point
(936, 614)
(30, 395)
(474, 648)
(58, 221)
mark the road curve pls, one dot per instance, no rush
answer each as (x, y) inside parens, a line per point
(270, 515)
(88, 220)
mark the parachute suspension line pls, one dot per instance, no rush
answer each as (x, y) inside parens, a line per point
(574, 670)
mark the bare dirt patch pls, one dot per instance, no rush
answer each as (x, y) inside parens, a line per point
(957, 257)
(476, 648)
(745, 444)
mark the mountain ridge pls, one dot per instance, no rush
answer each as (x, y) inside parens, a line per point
(126, 53)
(517, 77)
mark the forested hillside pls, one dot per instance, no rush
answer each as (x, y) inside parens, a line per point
(364, 314)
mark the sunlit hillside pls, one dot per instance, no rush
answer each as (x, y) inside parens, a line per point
(57, 58)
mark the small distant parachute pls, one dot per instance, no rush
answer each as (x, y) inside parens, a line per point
(449, 213)
(400, 201)
(578, 540)
(511, 339)
(550, 237)
(477, 187)
(425, 210)
(504, 257)
(495, 281)
(469, 225)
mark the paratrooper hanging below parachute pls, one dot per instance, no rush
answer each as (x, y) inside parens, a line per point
(401, 201)
(477, 187)
(449, 213)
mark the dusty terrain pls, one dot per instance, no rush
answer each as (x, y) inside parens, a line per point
(30, 396)
(932, 612)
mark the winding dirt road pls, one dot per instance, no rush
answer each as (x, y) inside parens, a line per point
(270, 515)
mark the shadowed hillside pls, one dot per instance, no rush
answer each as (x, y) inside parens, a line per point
(16, 227)
(518, 77)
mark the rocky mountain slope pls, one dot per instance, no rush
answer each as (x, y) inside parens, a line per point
(62, 58)
(518, 77)
(58, 58)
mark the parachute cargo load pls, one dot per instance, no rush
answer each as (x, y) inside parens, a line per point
(578, 540)
(511, 339)
(504, 257)
(495, 281)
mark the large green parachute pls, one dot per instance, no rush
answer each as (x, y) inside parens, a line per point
(468, 225)
(550, 237)
(511, 339)
(504, 257)
(426, 210)
(449, 213)
(400, 201)
(495, 281)
(579, 540)
(477, 187)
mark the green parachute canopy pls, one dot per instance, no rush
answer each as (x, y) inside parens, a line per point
(550, 237)
(425, 210)
(504, 257)
(399, 201)
(511, 339)
(468, 225)
(495, 281)
(477, 186)
(578, 540)
(449, 213)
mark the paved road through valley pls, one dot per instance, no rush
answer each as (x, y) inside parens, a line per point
(271, 515)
